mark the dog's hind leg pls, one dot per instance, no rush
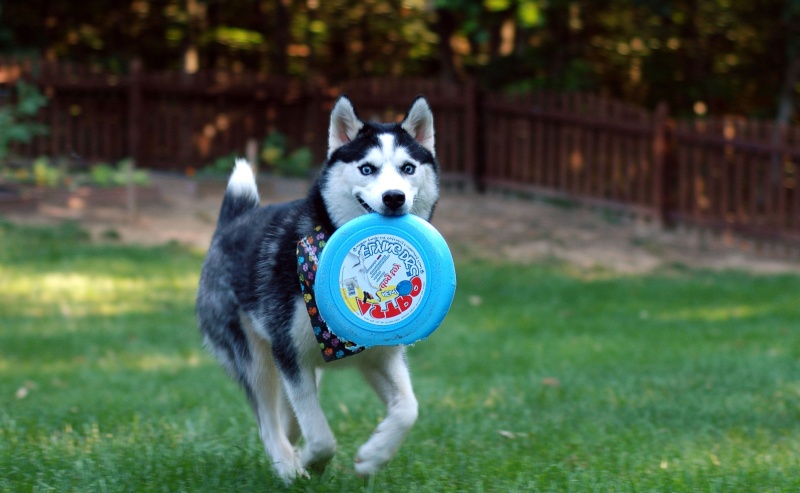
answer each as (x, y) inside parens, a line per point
(297, 363)
(248, 358)
(386, 370)
(269, 404)
(320, 445)
(289, 420)
(290, 423)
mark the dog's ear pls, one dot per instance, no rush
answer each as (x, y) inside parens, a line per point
(345, 124)
(419, 123)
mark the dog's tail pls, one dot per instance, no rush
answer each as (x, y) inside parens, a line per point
(241, 194)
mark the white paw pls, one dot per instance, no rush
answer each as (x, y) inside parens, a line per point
(316, 458)
(365, 468)
(290, 470)
(368, 463)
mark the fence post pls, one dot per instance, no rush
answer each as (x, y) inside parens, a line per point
(473, 136)
(470, 124)
(664, 178)
(134, 121)
(313, 118)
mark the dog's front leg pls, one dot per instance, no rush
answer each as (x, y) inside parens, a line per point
(320, 445)
(386, 370)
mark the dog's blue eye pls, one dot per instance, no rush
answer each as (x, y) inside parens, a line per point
(367, 169)
(408, 169)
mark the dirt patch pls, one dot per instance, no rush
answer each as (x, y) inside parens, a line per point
(475, 226)
(522, 230)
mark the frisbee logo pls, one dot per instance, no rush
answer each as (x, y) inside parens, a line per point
(383, 246)
(395, 306)
(382, 279)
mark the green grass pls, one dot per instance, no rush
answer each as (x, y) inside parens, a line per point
(542, 378)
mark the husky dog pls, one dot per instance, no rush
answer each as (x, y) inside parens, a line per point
(249, 305)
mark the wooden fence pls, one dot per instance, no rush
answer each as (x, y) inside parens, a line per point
(737, 175)
(727, 174)
(168, 121)
(577, 147)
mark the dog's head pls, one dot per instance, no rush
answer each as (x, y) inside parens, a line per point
(385, 168)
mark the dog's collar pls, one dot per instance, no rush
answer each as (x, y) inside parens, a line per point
(308, 251)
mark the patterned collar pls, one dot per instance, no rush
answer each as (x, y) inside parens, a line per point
(308, 251)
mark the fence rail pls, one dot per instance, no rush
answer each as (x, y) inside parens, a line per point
(731, 174)
(575, 146)
(739, 175)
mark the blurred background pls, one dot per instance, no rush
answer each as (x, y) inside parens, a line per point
(681, 113)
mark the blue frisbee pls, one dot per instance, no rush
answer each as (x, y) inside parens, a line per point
(385, 281)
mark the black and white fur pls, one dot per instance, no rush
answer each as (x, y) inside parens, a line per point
(249, 305)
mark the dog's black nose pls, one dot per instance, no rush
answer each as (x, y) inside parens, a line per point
(394, 199)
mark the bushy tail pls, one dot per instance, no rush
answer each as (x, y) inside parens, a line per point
(241, 194)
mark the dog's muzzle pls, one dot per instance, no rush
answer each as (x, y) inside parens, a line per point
(393, 202)
(365, 205)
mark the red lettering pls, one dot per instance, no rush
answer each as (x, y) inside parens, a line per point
(394, 307)
(404, 302)
(392, 310)
(416, 286)
(388, 277)
(376, 312)
(362, 306)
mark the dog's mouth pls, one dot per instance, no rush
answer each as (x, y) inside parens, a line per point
(385, 211)
(365, 205)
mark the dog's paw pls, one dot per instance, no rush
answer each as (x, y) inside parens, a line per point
(316, 458)
(367, 464)
(289, 476)
(291, 470)
(364, 469)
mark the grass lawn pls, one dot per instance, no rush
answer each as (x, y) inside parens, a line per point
(542, 378)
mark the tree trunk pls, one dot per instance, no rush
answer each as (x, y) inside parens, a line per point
(282, 37)
(785, 108)
(786, 97)
(446, 24)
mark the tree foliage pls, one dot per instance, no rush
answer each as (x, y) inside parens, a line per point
(701, 56)
(17, 123)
